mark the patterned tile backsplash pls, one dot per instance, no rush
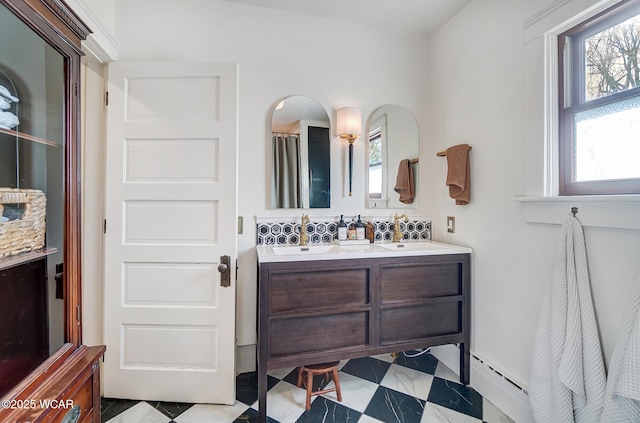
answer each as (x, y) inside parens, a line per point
(278, 233)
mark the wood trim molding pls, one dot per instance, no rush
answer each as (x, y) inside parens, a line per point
(70, 19)
(549, 9)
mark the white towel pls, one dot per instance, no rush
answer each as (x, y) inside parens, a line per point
(567, 377)
(622, 398)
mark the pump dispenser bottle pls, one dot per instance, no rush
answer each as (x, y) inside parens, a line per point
(359, 229)
(342, 229)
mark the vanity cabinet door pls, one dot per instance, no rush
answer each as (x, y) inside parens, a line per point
(315, 309)
(420, 300)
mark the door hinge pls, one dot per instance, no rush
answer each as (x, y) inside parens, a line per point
(77, 89)
(78, 314)
(106, 98)
(104, 226)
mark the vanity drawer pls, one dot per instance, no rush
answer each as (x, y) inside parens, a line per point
(416, 282)
(420, 321)
(318, 289)
(318, 333)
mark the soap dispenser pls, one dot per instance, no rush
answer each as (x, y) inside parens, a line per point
(342, 229)
(359, 229)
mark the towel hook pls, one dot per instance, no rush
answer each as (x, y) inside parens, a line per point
(574, 210)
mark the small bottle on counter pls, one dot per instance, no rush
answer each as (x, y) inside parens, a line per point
(370, 232)
(342, 229)
(352, 233)
(359, 229)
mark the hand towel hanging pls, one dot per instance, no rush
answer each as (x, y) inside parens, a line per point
(404, 182)
(459, 173)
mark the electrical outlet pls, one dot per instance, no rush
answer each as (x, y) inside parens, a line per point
(451, 224)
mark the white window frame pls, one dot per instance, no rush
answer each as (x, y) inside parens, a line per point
(552, 109)
(541, 200)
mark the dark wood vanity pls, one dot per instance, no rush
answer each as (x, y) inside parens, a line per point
(325, 310)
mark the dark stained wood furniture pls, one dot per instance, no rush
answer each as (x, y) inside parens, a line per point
(46, 374)
(328, 310)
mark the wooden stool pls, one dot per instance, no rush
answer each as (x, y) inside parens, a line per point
(319, 369)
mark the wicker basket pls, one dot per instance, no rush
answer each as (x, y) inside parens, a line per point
(26, 233)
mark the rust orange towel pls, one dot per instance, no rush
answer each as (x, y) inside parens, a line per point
(459, 173)
(404, 182)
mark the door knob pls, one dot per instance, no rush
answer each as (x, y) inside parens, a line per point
(225, 271)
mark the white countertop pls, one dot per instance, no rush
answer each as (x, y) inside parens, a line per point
(269, 253)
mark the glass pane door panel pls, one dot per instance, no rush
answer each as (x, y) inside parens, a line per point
(32, 151)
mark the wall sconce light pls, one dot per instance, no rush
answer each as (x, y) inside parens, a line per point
(349, 124)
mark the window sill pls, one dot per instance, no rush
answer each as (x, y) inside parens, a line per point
(606, 211)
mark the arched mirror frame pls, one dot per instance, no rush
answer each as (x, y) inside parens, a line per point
(300, 151)
(395, 129)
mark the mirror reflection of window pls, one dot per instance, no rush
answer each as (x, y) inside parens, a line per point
(375, 163)
(377, 174)
(393, 136)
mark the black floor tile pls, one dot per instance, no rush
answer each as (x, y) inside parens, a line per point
(170, 409)
(251, 416)
(111, 407)
(425, 362)
(367, 368)
(391, 406)
(326, 411)
(455, 396)
(247, 387)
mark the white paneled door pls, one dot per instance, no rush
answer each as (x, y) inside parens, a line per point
(169, 323)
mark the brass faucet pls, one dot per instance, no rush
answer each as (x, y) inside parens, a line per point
(304, 238)
(397, 233)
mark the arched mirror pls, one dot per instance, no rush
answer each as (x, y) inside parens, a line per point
(392, 137)
(300, 151)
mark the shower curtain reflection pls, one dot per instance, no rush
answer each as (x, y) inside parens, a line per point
(287, 179)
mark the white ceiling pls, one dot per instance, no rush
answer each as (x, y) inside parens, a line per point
(417, 16)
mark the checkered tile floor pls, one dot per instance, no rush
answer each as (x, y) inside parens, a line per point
(374, 389)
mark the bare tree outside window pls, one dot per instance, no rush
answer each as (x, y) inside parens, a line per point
(612, 63)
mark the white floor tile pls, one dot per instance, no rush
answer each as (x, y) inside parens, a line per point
(140, 413)
(356, 392)
(491, 413)
(206, 413)
(280, 373)
(444, 372)
(285, 402)
(408, 381)
(368, 419)
(436, 414)
(384, 357)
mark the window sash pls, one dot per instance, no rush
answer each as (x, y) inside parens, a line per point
(571, 100)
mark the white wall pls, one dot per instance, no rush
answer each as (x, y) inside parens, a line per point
(477, 80)
(279, 55)
(488, 88)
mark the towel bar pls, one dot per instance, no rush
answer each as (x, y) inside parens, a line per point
(444, 152)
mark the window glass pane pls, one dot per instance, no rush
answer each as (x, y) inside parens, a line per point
(375, 151)
(607, 142)
(611, 59)
(375, 181)
(375, 163)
